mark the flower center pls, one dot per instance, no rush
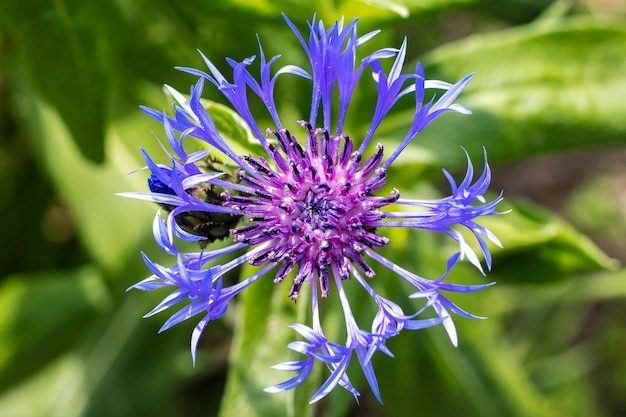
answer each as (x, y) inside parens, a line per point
(313, 208)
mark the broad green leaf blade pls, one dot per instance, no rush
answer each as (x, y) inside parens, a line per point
(60, 52)
(370, 11)
(539, 247)
(596, 207)
(537, 88)
(42, 314)
(260, 341)
(389, 11)
(111, 227)
(592, 288)
(114, 366)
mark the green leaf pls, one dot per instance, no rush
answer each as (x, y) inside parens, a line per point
(387, 11)
(370, 11)
(70, 365)
(41, 315)
(539, 247)
(538, 88)
(89, 189)
(61, 50)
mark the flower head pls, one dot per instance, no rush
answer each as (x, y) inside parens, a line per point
(309, 209)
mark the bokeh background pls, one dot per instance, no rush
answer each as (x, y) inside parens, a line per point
(549, 103)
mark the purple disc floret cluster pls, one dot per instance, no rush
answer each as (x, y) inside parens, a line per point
(309, 210)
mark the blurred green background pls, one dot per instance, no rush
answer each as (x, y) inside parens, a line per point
(548, 103)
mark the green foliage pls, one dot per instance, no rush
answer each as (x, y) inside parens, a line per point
(72, 74)
(379, 11)
(539, 247)
(538, 88)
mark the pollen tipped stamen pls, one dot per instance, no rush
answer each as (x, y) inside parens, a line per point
(281, 164)
(284, 270)
(326, 140)
(245, 229)
(289, 186)
(256, 165)
(261, 219)
(343, 270)
(281, 140)
(295, 290)
(376, 239)
(324, 281)
(320, 187)
(295, 171)
(260, 259)
(355, 164)
(299, 152)
(280, 254)
(377, 180)
(372, 216)
(250, 181)
(303, 273)
(255, 240)
(385, 201)
(285, 207)
(373, 161)
(312, 143)
(346, 151)
(264, 195)
(327, 162)
(363, 266)
(241, 199)
(312, 173)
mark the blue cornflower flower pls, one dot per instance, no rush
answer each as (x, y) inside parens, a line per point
(309, 207)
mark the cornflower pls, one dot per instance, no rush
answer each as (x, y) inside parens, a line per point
(307, 211)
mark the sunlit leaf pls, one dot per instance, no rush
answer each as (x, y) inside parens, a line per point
(539, 247)
(537, 89)
(370, 11)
